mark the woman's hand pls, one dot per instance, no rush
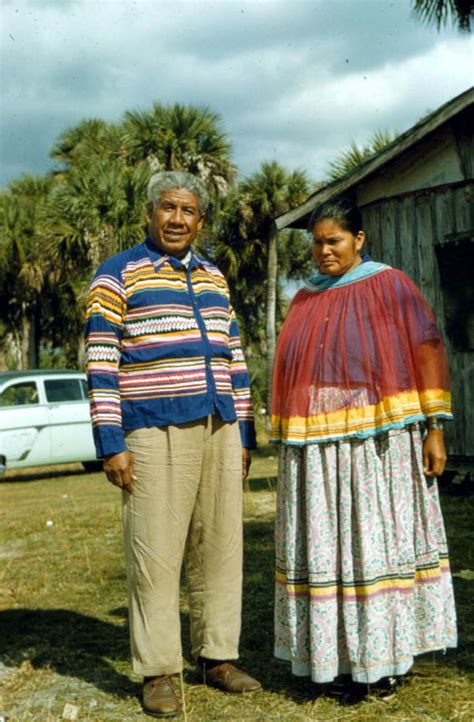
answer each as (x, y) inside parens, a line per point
(434, 453)
(119, 470)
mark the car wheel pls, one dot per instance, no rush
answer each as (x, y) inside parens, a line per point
(92, 466)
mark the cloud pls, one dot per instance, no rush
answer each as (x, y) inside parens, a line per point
(292, 79)
(393, 96)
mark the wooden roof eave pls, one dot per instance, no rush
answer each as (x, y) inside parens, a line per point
(297, 217)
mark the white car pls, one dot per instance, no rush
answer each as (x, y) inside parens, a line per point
(45, 419)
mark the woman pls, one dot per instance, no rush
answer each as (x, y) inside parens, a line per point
(360, 391)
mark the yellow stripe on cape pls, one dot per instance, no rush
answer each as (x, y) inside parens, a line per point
(390, 410)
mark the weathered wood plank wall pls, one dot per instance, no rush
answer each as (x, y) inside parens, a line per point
(403, 232)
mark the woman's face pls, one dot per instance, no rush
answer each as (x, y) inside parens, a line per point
(335, 250)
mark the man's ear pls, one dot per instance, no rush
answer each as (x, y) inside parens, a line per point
(201, 220)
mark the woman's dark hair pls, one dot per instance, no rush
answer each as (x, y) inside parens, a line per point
(344, 211)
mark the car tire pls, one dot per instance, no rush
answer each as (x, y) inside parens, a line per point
(92, 466)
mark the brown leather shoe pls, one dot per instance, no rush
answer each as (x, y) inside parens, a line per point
(229, 679)
(158, 697)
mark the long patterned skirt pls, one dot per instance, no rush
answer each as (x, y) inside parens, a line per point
(363, 581)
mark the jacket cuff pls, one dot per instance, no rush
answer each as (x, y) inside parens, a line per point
(109, 440)
(247, 434)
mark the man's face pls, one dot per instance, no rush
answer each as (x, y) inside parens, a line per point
(174, 221)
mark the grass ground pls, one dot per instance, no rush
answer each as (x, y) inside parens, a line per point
(63, 629)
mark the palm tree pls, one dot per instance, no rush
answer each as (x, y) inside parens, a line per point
(242, 257)
(89, 139)
(247, 249)
(181, 137)
(97, 209)
(354, 155)
(93, 206)
(94, 210)
(23, 265)
(96, 204)
(439, 12)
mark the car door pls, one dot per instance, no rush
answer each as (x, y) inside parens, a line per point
(24, 425)
(69, 419)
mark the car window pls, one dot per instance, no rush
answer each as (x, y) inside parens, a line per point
(85, 390)
(20, 394)
(60, 390)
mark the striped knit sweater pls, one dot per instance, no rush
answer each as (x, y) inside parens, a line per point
(162, 347)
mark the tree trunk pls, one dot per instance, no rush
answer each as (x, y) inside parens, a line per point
(272, 272)
(81, 353)
(12, 351)
(3, 355)
(34, 356)
(25, 340)
(32, 346)
(29, 346)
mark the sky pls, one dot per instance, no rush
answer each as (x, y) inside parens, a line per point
(293, 80)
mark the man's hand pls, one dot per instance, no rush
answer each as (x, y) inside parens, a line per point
(119, 470)
(434, 453)
(246, 461)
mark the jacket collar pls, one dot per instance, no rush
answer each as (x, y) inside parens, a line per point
(157, 257)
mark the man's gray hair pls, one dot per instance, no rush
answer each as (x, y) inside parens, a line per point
(169, 180)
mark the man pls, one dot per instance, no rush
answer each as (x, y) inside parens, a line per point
(169, 394)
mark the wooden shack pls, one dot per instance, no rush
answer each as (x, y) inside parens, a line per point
(417, 203)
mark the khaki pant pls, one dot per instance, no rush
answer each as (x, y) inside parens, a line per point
(186, 502)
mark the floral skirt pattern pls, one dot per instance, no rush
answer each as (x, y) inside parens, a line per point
(362, 581)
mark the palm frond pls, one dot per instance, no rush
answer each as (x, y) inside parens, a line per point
(355, 155)
(440, 12)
